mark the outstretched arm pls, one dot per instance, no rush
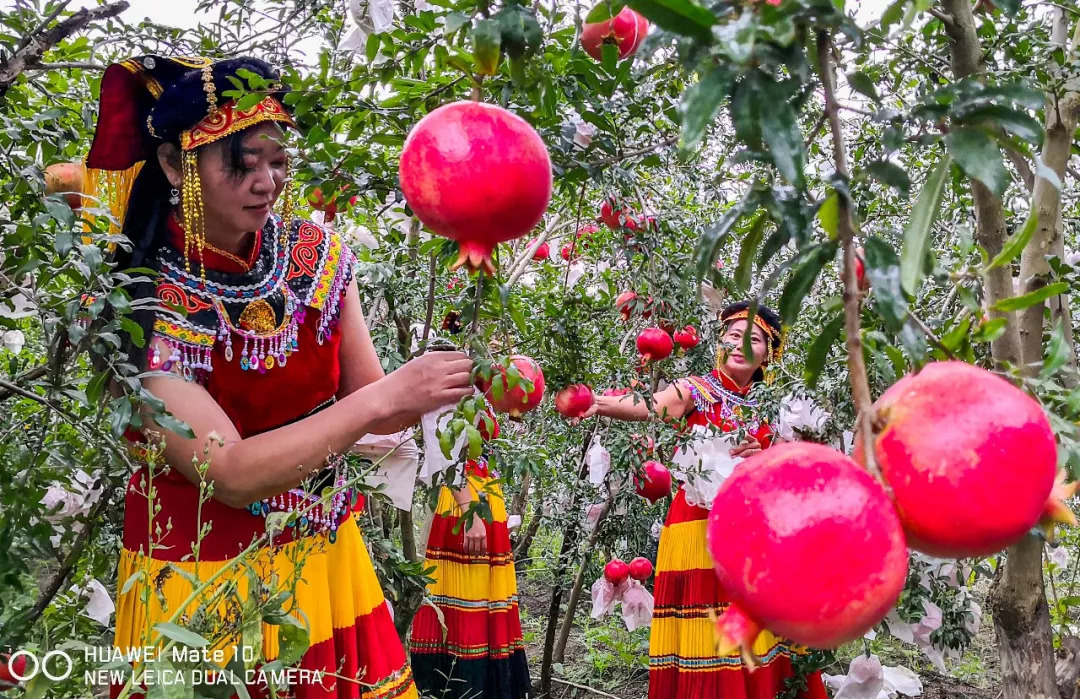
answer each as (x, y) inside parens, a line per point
(673, 403)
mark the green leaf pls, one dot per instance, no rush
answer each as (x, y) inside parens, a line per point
(802, 280)
(744, 114)
(1012, 120)
(819, 349)
(781, 133)
(979, 156)
(828, 215)
(249, 100)
(953, 339)
(180, 635)
(130, 582)
(487, 43)
(892, 15)
(1016, 243)
(1009, 7)
(709, 246)
(172, 424)
(1057, 353)
(863, 84)
(883, 272)
(604, 11)
(917, 235)
(454, 21)
(738, 38)
(1017, 303)
(890, 174)
(294, 642)
(990, 330)
(678, 16)
(746, 253)
(700, 104)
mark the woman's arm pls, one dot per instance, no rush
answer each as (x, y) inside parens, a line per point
(360, 365)
(246, 470)
(673, 403)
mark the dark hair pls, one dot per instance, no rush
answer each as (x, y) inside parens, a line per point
(145, 225)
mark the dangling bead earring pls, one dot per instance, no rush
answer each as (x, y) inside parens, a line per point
(174, 196)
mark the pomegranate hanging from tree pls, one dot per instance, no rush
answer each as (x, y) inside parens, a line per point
(477, 174)
(542, 253)
(970, 458)
(625, 30)
(654, 483)
(526, 393)
(641, 569)
(616, 571)
(687, 338)
(770, 524)
(67, 178)
(654, 344)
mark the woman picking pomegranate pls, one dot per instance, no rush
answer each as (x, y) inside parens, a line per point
(271, 367)
(683, 660)
(467, 643)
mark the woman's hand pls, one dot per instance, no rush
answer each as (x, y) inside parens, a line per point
(746, 448)
(430, 381)
(476, 536)
(594, 409)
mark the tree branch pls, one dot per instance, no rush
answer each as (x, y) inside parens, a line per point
(636, 152)
(860, 384)
(44, 39)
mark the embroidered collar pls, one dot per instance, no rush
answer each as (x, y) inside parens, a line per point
(215, 258)
(717, 397)
(304, 268)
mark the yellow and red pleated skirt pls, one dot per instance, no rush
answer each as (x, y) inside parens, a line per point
(354, 650)
(466, 640)
(683, 663)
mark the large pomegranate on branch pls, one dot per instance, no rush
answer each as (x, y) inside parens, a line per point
(770, 524)
(654, 344)
(477, 174)
(574, 400)
(67, 178)
(654, 483)
(970, 459)
(516, 394)
(625, 30)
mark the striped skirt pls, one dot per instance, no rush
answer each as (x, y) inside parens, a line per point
(466, 640)
(354, 652)
(682, 643)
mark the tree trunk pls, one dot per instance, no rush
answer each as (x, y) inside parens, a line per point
(567, 549)
(1018, 597)
(579, 582)
(1022, 623)
(521, 548)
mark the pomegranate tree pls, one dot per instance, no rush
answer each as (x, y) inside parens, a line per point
(654, 483)
(616, 571)
(625, 30)
(970, 459)
(574, 400)
(641, 569)
(523, 396)
(769, 525)
(478, 174)
(654, 344)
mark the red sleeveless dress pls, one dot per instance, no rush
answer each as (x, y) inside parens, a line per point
(271, 359)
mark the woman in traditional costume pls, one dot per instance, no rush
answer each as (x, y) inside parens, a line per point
(270, 365)
(684, 660)
(466, 640)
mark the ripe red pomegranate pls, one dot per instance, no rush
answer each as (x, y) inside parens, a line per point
(542, 253)
(477, 174)
(641, 569)
(860, 270)
(654, 344)
(970, 458)
(625, 303)
(565, 252)
(514, 401)
(655, 483)
(687, 338)
(482, 426)
(574, 400)
(616, 572)
(773, 518)
(626, 30)
(67, 178)
(611, 211)
(319, 203)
